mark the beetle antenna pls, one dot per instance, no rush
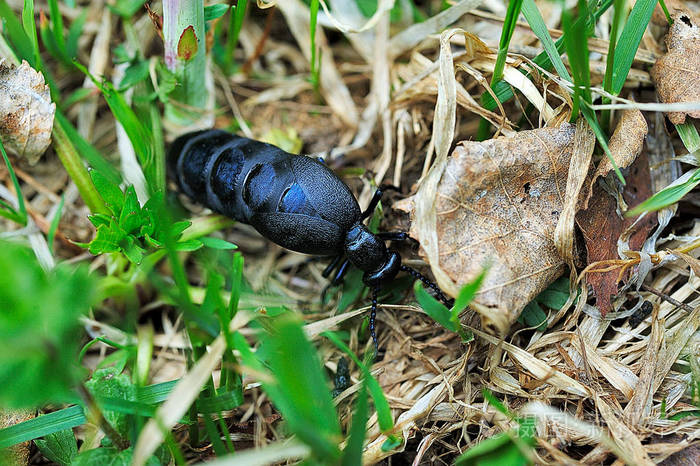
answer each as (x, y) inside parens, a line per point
(372, 317)
(438, 292)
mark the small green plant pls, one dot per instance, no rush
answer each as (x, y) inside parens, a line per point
(449, 318)
(129, 228)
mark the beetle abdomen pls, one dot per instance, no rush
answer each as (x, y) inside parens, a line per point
(293, 200)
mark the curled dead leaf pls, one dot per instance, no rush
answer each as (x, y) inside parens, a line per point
(498, 203)
(625, 145)
(677, 73)
(26, 111)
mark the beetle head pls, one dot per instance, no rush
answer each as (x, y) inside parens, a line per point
(369, 253)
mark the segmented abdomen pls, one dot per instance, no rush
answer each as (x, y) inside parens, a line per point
(211, 167)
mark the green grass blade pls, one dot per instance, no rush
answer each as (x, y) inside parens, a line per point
(235, 25)
(87, 151)
(14, 31)
(29, 26)
(509, 23)
(54, 224)
(592, 120)
(300, 389)
(538, 26)
(22, 212)
(386, 422)
(667, 196)
(315, 56)
(42, 425)
(76, 170)
(57, 26)
(628, 43)
(689, 135)
(617, 22)
(352, 454)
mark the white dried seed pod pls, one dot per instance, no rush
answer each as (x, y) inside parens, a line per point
(26, 111)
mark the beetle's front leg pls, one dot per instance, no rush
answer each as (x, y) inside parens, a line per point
(376, 198)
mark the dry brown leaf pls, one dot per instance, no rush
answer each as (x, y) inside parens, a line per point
(26, 111)
(498, 202)
(625, 145)
(673, 6)
(677, 73)
(602, 225)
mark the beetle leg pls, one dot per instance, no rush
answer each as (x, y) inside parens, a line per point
(376, 198)
(372, 319)
(395, 236)
(334, 263)
(438, 292)
(342, 271)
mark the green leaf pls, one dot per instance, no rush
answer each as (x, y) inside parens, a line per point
(110, 192)
(14, 31)
(215, 11)
(534, 316)
(667, 196)
(628, 43)
(108, 456)
(111, 383)
(54, 223)
(188, 245)
(509, 23)
(301, 389)
(87, 151)
(59, 447)
(74, 32)
(130, 218)
(498, 450)
(134, 74)
(42, 425)
(352, 454)
(217, 243)
(107, 239)
(187, 44)
(534, 19)
(384, 418)
(434, 308)
(19, 216)
(467, 293)
(39, 328)
(126, 8)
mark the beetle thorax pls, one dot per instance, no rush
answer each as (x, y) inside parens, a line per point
(368, 253)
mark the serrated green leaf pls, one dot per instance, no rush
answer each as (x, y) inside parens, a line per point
(132, 250)
(130, 218)
(108, 239)
(110, 192)
(111, 383)
(59, 447)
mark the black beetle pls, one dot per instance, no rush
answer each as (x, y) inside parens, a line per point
(293, 200)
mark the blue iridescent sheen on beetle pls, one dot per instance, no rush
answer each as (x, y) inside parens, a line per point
(293, 200)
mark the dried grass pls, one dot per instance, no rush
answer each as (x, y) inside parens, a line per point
(601, 388)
